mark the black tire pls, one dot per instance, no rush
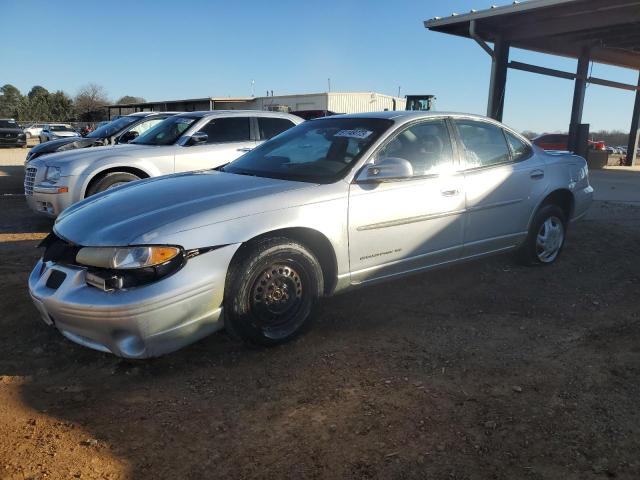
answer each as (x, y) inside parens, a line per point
(271, 292)
(109, 180)
(531, 252)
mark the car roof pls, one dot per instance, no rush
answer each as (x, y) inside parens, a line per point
(148, 114)
(254, 113)
(407, 115)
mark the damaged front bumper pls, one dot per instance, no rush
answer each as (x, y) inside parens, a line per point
(140, 322)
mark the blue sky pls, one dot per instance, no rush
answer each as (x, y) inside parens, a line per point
(169, 49)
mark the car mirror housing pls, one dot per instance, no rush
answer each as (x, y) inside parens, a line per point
(391, 168)
(198, 138)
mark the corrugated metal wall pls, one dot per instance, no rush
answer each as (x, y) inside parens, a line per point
(293, 102)
(363, 102)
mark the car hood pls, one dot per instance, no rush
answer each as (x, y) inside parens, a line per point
(150, 210)
(62, 144)
(60, 158)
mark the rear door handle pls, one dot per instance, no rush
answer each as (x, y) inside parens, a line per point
(450, 193)
(245, 149)
(536, 174)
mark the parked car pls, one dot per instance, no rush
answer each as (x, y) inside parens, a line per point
(33, 130)
(328, 205)
(123, 130)
(189, 141)
(560, 142)
(53, 131)
(11, 135)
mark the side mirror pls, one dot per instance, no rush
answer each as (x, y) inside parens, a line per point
(198, 138)
(128, 136)
(391, 168)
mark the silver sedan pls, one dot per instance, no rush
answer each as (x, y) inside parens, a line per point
(147, 268)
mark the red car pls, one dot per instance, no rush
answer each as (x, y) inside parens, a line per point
(560, 141)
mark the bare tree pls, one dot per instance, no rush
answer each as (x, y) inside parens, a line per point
(130, 99)
(90, 102)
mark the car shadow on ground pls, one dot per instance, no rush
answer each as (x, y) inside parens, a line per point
(477, 371)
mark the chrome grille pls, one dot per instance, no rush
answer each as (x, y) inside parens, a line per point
(29, 180)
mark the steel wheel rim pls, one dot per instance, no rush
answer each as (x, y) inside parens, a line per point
(549, 239)
(277, 299)
(115, 185)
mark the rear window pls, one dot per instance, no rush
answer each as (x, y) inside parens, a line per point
(8, 124)
(270, 127)
(229, 129)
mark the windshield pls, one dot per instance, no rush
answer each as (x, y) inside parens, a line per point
(61, 128)
(113, 127)
(319, 151)
(8, 124)
(166, 132)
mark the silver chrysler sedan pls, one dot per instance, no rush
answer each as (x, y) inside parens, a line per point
(333, 203)
(180, 143)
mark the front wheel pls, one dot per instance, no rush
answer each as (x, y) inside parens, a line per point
(545, 238)
(109, 181)
(271, 291)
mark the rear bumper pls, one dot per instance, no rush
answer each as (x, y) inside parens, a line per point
(140, 322)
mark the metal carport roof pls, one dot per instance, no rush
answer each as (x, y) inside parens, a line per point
(604, 31)
(562, 27)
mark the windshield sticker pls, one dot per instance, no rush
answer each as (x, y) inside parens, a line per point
(359, 133)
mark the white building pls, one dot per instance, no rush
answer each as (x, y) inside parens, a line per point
(336, 102)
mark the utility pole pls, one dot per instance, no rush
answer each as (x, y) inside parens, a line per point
(253, 88)
(329, 83)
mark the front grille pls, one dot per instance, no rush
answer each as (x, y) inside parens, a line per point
(29, 180)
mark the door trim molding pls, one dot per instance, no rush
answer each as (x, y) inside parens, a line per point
(408, 220)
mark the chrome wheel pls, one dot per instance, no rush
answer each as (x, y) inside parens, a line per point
(549, 239)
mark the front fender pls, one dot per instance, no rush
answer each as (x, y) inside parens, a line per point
(328, 217)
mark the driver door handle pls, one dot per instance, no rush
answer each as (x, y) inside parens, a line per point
(536, 174)
(450, 193)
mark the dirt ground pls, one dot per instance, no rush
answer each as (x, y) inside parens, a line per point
(483, 371)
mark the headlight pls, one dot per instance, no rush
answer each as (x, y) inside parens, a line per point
(126, 258)
(52, 174)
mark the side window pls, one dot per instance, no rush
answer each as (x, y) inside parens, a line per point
(228, 129)
(484, 143)
(144, 126)
(519, 149)
(270, 127)
(426, 146)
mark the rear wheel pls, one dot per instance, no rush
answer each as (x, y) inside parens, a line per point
(545, 238)
(110, 180)
(271, 292)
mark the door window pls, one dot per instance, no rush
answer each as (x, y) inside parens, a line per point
(271, 126)
(228, 129)
(144, 126)
(484, 143)
(426, 146)
(519, 149)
